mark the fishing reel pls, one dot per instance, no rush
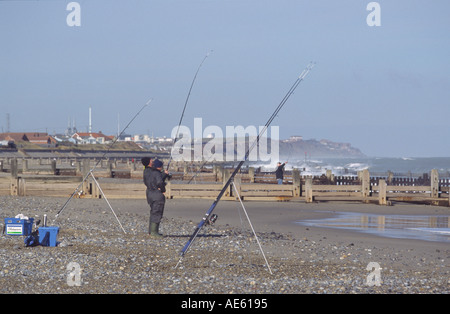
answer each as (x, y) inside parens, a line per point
(212, 219)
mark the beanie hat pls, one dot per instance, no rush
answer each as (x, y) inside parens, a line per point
(157, 163)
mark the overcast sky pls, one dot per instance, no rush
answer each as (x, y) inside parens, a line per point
(384, 89)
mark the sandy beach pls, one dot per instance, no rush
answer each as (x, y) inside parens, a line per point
(225, 258)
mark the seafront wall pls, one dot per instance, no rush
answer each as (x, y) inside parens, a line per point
(122, 178)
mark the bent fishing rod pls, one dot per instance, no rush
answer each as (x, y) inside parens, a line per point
(103, 156)
(206, 218)
(184, 108)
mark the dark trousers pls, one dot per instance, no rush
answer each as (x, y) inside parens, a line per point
(156, 200)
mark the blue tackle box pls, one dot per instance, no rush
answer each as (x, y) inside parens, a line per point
(48, 236)
(17, 226)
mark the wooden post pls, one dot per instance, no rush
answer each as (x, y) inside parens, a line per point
(168, 190)
(308, 190)
(296, 183)
(21, 187)
(14, 168)
(237, 181)
(24, 165)
(86, 168)
(365, 183)
(220, 173)
(226, 176)
(95, 190)
(53, 165)
(330, 176)
(110, 169)
(14, 186)
(382, 192)
(78, 165)
(214, 169)
(434, 183)
(251, 174)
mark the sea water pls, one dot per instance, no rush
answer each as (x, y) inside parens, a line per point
(429, 228)
(405, 166)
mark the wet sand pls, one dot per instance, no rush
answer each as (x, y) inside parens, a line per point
(280, 217)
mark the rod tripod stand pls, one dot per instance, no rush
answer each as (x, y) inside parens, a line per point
(251, 226)
(91, 174)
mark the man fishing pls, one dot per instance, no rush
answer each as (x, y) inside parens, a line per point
(156, 187)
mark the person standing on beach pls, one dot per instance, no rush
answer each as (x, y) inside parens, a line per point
(153, 180)
(279, 173)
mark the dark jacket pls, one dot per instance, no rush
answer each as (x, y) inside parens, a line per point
(279, 171)
(153, 180)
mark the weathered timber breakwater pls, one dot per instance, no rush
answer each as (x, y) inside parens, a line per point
(225, 259)
(121, 177)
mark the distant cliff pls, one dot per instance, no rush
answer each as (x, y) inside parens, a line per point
(298, 147)
(295, 148)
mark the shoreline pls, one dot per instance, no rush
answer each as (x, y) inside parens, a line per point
(265, 215)
(265, 219)
(225, 258)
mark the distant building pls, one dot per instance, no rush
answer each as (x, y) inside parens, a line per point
(15, 137)
(296, 138)
(7, 144)
(40, 138)
(92, 138)
(31, 137)
(293, 138)
(142, 139)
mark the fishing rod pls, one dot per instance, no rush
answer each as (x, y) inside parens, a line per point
(206, 218)
(99, 161)
(198, 171)
(184, 108)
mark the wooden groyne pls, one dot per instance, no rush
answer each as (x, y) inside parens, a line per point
(123, 179)
(383, 190)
